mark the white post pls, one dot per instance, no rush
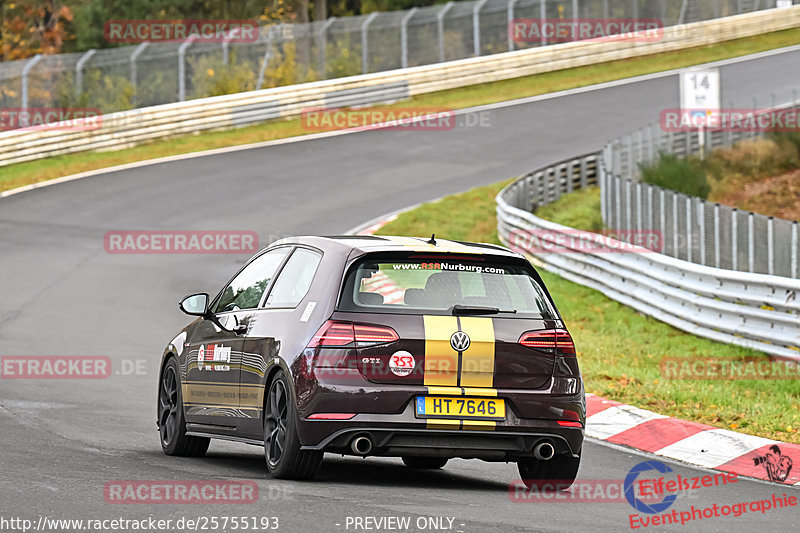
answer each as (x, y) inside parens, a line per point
(794, 249)
(440, 28)
(79, 70)
(734, 241)
(476, 26)
(751, 255)
(701, 222)
(717, 260)
(323, 47)
(770, 246)
(689, 228)
(25, 72)
(404, 37)
(542, 16)
(365, 41)
(134, 56)
(182, 66)
(510, 17)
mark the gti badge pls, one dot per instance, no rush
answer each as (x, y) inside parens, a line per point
(459, 341)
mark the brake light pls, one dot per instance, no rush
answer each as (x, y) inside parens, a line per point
(371, 335)
(334, 334)
(569, 424)
(556, 341)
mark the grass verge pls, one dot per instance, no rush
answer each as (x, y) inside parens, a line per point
(35, 171)
(619, 349)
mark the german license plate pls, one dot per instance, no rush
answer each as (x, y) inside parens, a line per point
(454, 407)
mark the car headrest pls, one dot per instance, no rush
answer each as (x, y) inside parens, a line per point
(370, 298)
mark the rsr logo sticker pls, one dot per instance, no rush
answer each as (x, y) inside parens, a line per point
(209, 359)
(402, 363)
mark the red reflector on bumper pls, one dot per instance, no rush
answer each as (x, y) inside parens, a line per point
(569, 424)
(331, 416)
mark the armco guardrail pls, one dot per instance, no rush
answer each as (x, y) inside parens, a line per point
(693, 229)
(753, 310)
(130, 127)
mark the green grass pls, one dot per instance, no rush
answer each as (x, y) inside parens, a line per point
(35, 171)
(620, 349)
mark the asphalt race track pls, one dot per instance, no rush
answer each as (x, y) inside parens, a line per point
(62, 294)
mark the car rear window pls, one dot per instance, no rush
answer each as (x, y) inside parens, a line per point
(435, 285)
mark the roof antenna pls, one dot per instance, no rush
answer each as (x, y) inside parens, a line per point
(433, 239)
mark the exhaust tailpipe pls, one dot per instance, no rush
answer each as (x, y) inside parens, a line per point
(544, 451)
(361, 445)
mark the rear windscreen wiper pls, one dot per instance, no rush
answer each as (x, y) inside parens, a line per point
(479, 310)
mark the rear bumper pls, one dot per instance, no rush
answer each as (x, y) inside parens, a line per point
(404, 434)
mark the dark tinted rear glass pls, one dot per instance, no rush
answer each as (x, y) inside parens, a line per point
(436, 285)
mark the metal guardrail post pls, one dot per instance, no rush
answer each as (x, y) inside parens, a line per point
(510, 20)
(794, 250)
(751, 253)
(663, 212)
(440, 29)
(404, 37)
(79, 70)
(770, 246)
(226, 45)
(476, 26)
(133, 71)
(606, 12)
(674, 225)
(182, 66)
(542, 16)
(25, 73)
(682, 16)
(701, 223)
(575, 9)
(717, 258)
(323, 47)
(267, 53)
(689, 228)
(734, 240)
(365, 41)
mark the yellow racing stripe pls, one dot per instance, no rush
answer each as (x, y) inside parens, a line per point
(485, 425)
(441, 360)
(477, 361)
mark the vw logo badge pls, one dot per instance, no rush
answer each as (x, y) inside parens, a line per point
(459, 341)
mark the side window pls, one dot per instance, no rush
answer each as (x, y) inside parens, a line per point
(295, 279)
(246, 289)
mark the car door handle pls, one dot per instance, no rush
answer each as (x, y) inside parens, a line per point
(240, 329)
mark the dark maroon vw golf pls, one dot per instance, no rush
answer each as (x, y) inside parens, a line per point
(423, 349)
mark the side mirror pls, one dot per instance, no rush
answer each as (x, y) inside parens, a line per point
(195, 304)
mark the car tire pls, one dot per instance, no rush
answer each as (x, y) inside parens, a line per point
(559, 472)
(171, 423)
(285, 459)
(425, 463)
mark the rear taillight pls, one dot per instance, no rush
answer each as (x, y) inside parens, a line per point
(335, 334)
(556, 341)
